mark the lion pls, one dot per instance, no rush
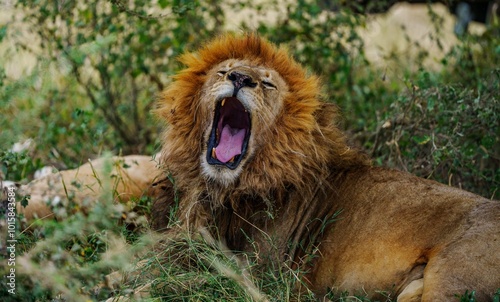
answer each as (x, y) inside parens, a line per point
(259, 161)
(260, 164)
(128, 177)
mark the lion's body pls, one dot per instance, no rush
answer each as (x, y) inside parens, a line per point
(129, 177)
(396, 228)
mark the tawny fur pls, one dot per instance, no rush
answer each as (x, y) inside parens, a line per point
(392, 229)
(128, 178)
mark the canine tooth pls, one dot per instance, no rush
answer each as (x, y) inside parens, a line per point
(223, 102)
(232, 159)
(213, 153)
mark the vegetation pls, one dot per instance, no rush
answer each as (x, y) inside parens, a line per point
(100, 65)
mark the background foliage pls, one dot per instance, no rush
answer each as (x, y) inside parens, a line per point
(100, 65)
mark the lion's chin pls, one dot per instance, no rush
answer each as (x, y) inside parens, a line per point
(220, 174)
(228, 140)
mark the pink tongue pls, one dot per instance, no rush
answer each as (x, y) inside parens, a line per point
(230, 143)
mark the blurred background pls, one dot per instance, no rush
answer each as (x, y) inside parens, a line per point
(417, 82)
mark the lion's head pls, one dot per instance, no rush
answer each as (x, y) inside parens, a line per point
(244, 116)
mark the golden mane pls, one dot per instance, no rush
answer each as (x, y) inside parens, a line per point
(305, 148)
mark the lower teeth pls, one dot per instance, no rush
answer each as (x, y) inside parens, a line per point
(214, 155)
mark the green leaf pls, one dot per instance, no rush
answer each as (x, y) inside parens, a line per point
(421, 140)
(3, 32)
(163, 3)
(25, 201)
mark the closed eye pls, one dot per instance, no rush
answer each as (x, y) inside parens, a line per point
(268, 85)
(221, 72)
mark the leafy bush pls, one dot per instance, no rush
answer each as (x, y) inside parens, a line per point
(448, 133)
(445, 126)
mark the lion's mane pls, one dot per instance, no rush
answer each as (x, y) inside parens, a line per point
(305, 143)
(304, 146)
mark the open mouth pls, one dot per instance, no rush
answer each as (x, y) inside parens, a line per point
(228, 141)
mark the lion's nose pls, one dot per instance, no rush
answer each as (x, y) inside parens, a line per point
(241, 80)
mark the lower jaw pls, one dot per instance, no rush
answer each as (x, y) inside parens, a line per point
(221, 174)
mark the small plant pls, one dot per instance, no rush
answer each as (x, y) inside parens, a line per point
(468, 296)
(17, 165)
